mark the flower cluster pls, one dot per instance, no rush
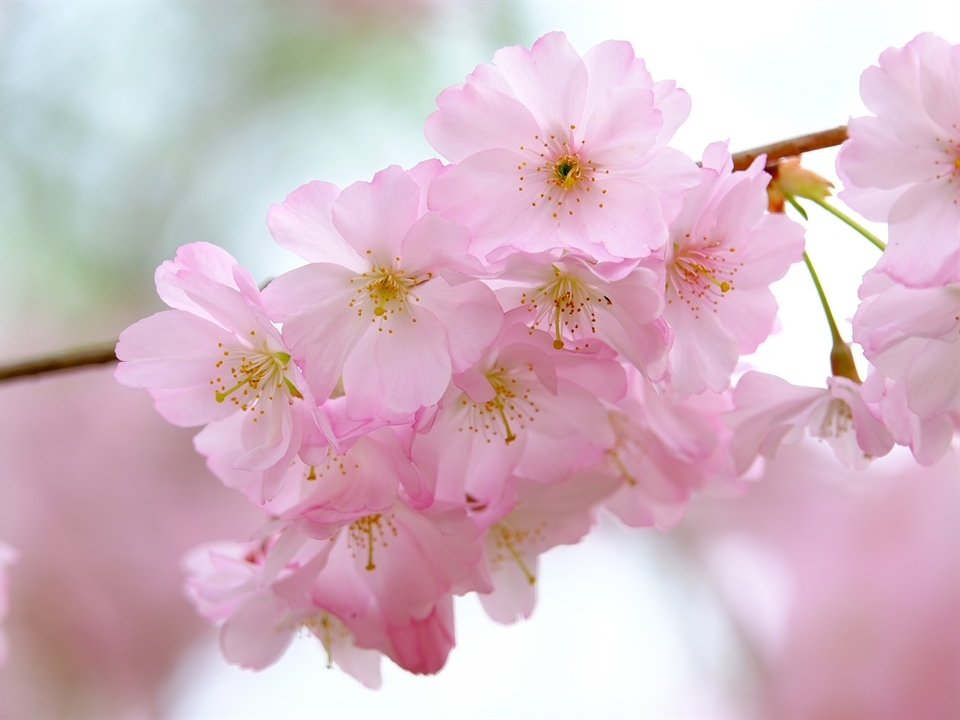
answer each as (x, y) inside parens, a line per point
(479, 356)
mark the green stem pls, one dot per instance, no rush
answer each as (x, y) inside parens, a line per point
(834, 331)
(841, 359)
(851, 222)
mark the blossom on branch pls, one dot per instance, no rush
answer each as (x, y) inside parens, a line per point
(217, 354)
(553, 151)
(902, 167)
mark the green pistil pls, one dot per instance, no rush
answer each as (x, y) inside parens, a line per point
(221, 396)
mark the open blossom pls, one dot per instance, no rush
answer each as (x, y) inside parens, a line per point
(724, 253)
(667, 448)
(552, 150)
(771, 411)
(7, 556)
(903, 166)
(525, 407)
(579, 302)
(389, 576)
(913, 335)
(397, 313)
(217, 354)
(530, 519)
(225, 583)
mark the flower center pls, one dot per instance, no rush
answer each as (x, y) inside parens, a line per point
(567, 171)
(510, 407)
(567, 305)
(701, 275)
(505, 540)
(837, 421)
(330, 631)
(254, 376)
(385, 292)
(570, 176)
(363, 534)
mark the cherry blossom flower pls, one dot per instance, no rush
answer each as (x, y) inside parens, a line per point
(257, 623)
(530, 520)
(215, 355)
(7, 556)
(524, 407)
(667, 448)
(770, 411)
(557, 151)
(929, 439)
(578, 302)
(389, 577)
(913, 335)
(903, 166)
(400, 313)
(723, 255)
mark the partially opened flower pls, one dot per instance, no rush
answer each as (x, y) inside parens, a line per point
(552, 150)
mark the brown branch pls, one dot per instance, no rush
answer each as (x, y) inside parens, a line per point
(104, 354)
(793, 146)
(99, 355)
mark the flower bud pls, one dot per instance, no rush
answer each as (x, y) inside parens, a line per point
(791, 180)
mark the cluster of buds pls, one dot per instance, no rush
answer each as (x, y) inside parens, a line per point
(478, 357)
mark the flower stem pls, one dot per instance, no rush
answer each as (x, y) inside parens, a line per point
(841, 359)
(851, 222)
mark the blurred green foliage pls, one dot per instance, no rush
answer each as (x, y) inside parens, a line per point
(127, 130)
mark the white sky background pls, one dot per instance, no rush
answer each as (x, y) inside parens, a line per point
(617, 632)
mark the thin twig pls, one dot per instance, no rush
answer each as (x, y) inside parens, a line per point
(99, 355)
(104, 354)
(793, 146)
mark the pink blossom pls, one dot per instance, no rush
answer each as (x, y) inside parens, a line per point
(524, 407)
(557, 151)
(389, 576)
(7, 556)
(913, 335)
(903, 166)
(667, 448)
(929, 439)
(398, 313)
(578, 302)
(215, 355)
(724, 252)
(531, 519)
(257, 623)
(770, 411)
